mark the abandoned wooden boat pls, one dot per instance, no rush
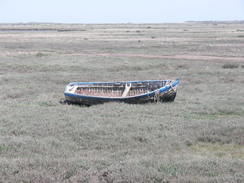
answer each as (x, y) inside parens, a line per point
(89, 93)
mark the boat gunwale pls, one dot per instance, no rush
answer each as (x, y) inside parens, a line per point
(119, 82)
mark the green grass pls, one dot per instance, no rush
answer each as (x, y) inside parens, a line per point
(219, 150)
(197, 138)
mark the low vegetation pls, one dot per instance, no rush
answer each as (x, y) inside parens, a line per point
(230, 66)
(197, 138)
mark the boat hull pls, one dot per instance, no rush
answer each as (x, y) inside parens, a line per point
(166, 97)
(164, 94)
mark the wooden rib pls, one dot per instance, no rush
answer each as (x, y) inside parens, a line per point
(112, 91)
(127, 89)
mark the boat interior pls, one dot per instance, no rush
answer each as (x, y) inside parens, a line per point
(119, 89)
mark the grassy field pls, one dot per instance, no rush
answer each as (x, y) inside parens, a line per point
(197, 138)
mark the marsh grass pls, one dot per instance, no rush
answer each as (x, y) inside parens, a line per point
(219, 150)
(230, 66)
(216, 115)
(197, 138)
(40, 54)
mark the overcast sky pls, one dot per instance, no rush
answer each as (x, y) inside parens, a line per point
(119, 11)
